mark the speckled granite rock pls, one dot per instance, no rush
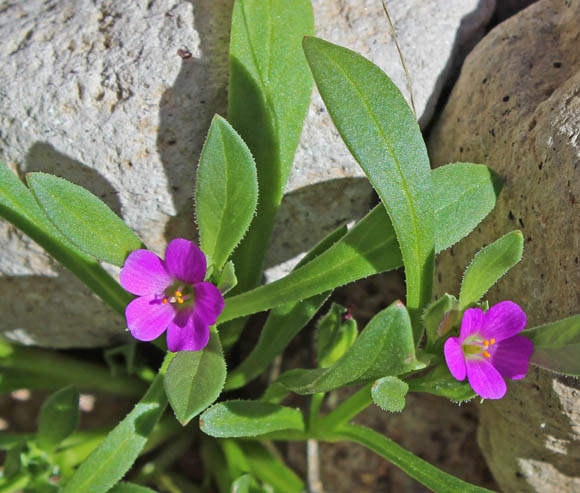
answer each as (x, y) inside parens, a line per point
(117, 96)
(516, 107)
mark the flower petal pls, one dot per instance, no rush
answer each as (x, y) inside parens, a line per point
(454, 358)
(187, 332)
(484, 379)
(512, 356)
(185, 261)
(144, 273)
(503, 321)
(209, 302)
(148, 317)
(471, 323)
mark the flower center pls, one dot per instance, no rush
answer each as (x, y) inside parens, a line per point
(475, 346)
(178, 295)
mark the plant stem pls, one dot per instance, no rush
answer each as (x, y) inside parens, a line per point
(315, 405)
(354, 405)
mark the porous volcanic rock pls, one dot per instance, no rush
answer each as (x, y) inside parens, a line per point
(516, 107)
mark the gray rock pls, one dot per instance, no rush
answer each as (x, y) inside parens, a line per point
(117, 96)
(516, 107)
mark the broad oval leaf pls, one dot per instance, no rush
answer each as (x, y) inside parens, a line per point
(17, 205)
(269, 93)
(383, 135)
(109, 462)
(557, 345)
(385, 347)
(226, 191)
(58, 418)
(85, 220)
(249, 419)
(439, 381)
(371, 247)
(389, 394)
(195, 379)
(489, 265)
(282, 325)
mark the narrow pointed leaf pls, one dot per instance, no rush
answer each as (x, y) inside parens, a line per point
(282, 325)
(85, 220)
(385, 347)
(17, 205)
(383, 135)
(269, 93)
(269, 468)
(226, 191)
(195, 379)
(464, 194)
(557, 345)
(249, 419)
(335, 334)
(109, 462)
(130, 488)
(434, 479)
(489, 265)
(58, 418)
(389, 394)
(242, 484)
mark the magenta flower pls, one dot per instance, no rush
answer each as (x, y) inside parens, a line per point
(172, 296)
(488, 349)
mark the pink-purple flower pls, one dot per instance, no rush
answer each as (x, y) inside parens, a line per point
(171, 295)
(488, 349)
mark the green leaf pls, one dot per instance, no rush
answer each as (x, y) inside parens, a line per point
(109, 462)
(269, 94)
(282, 325)
(557, 345)
(385, 347)
(226, 191)
(249, 419)
(18, 206)
(439, 381)
(58, 418)
(130, 488)
(269, 468)
(335, 335)
(434, 479)
(389, 394)
(242, 484)
(85, 220)
(195, 379)
(464, 194)
(440, 317)
(383, 135)
(228, 279)
(488, 266)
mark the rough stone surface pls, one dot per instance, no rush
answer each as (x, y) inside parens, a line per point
(117, 96)
(516, 107)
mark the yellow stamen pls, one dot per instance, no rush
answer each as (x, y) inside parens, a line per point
(486, 343)
(164, 301)
(179, 300)
(178, 294)
(493, 341)
(486, 354)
